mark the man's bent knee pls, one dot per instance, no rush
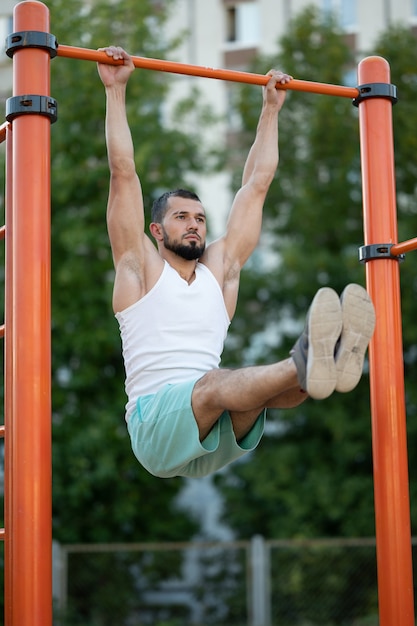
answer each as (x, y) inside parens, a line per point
(205, 405)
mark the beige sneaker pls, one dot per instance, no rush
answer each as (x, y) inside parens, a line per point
(313, 353)
(358, 327)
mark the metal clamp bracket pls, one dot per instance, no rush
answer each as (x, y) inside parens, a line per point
(376, 90)
(378, 251)
(31, 39)
(21, 105)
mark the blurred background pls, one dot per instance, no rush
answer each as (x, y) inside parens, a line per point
(285, 537)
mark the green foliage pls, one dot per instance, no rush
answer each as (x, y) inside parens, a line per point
(100, 491)
(313, 475)
(313, 223)
(108, 588)
(318, 585)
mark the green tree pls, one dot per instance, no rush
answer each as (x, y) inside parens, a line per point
(313, 475)
(100, 492)
(315, 469)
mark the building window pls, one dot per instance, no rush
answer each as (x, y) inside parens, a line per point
(6, 28)
(345, 11)
(243, 23)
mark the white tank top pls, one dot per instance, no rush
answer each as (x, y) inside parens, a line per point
(176, 332)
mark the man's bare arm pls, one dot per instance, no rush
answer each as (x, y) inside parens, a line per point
(135, 258)
(245, 220)
(125, 214)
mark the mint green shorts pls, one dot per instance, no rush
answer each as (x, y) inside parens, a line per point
(165, 440)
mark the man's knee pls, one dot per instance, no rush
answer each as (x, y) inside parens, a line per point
(205, 403)
(207, 387)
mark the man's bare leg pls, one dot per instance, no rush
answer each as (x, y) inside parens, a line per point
(288, 399)
(243, 422)
(244, 391)
(328, 355)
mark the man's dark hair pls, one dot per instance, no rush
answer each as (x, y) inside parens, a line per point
(160, 205)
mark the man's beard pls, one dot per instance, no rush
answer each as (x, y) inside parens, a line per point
(190, 252)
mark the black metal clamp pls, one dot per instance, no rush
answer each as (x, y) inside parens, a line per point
(31, 39)
(31, 103)
(21, 105)
(376, 90)
(378, 251)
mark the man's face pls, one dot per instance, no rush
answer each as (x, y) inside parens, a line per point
(184, 228)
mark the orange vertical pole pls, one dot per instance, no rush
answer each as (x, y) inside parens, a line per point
(8, 473)
(28, 510)
(392, 507)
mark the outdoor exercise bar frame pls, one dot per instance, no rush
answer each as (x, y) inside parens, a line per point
(28, 526)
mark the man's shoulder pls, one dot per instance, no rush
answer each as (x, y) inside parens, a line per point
(212, 259)
(222, 264)
(136, 275)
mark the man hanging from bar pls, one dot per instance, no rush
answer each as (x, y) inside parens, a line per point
(174, 302)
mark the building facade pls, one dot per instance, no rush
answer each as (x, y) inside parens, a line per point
(227, 34)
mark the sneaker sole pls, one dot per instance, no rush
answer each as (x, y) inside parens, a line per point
(358, 326)
(324, 328)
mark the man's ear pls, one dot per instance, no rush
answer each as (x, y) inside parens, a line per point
(156, 231)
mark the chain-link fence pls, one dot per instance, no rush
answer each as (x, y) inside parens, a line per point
(326, 583)
(244, 583)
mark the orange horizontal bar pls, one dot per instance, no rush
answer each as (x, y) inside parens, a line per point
(405, 246)
(86, 54)
(1, 431)
(2, 327)
(3, 131)
(2, 533)
(2, 232)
